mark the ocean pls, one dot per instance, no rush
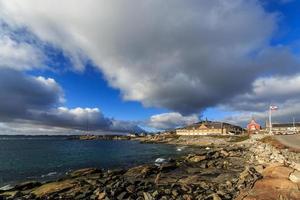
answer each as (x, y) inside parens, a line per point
(24, 158)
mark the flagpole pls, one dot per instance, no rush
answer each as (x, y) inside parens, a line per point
(270, 120)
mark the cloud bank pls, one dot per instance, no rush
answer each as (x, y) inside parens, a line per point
(183, 56)
(36, 101)
(171, 120)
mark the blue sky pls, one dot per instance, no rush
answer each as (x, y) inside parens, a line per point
(89, 89)
(155, 71)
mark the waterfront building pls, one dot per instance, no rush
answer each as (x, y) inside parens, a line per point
(253, 127)
(210, 128)
(284, 128)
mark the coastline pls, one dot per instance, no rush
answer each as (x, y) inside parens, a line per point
(225, 170)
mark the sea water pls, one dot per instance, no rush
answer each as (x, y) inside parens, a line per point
(24, 158)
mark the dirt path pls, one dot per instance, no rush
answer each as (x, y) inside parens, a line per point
(292, 141)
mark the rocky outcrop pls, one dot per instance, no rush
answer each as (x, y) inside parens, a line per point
(207, 140)
(274, 185)
(250, 171)
(217, 173)
(295, 177)
(280, 171)
(100, 137)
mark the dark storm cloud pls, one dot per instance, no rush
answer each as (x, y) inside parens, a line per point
(181, 55)
(35, 100)
(21, 93)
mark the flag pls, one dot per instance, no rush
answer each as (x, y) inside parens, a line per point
(272, 107)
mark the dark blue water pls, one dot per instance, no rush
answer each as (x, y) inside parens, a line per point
(25, 158)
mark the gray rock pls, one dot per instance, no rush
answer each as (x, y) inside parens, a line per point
(130, 189)
(121, 196)
(295, 176)
(147, 196)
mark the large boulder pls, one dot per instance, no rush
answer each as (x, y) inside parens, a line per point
(84, 172)
(196, 158)
(53, 187)
(277, 172)
(141, 171)
(295, 176)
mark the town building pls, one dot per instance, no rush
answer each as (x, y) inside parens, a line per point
(210, 128)
(253, 127)
(284, 128)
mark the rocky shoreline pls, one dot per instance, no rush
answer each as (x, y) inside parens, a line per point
(247, 169)
(219, 173)
(99, 137)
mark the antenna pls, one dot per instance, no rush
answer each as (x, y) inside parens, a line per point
(294, 124)
(87, 123)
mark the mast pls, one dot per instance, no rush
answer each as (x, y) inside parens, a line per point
(294, 126)
(87, 124)
(270, 120)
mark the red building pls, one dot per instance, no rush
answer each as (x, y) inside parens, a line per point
(253, 127)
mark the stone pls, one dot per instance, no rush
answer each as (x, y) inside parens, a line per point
(216, 197)
(197, 158)
(187, 197)
(121, 196)
(174, 193)
(101, 195)
(156, 181)
(147, 196)
(295, 176)
(80, 196)
(155, 193)
(167, 191)
(296, 166)
(27, 185)
(84, 172)
(275, 184)
(224, 153)
(130, 188)
(203, 165)
(168, 166)
(143, 171)
(190, 180)
(193, 170)
(277, 172)
(54, 187)
(259, 168)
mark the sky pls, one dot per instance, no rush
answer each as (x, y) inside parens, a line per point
(130, 66)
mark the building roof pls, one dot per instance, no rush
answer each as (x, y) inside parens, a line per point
(210, 125)
(253, 122)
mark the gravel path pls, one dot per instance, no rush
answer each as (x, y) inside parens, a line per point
(292, 141)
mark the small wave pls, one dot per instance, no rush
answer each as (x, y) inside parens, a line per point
(49, 174)
(159, 161)
(6, 187)
(180, 148)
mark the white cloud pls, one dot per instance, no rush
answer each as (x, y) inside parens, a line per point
(180, 55)
(19, 55)
(171, 120)
(19, 128)
(283, 91)
(36, 102)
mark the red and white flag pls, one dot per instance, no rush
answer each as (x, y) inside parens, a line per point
(273, 107)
